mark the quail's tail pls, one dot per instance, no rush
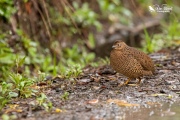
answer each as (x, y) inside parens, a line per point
(147, 73)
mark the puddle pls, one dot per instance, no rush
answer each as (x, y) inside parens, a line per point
(164, 112)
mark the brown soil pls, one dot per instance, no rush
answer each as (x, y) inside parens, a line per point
(95, 95)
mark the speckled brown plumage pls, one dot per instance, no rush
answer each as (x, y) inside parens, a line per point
(130, 61)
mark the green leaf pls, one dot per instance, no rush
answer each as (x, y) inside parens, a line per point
(21, 62)
(13, 94)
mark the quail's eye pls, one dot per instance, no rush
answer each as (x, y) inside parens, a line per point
(119, 45)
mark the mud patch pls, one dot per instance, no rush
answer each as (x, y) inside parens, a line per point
(88, 96)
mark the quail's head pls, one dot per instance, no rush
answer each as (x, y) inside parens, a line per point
(119, 45)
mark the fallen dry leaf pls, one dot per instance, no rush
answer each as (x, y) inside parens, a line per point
(58, 110)
(96, 79)
(13, 108)
(155, 95)
(122, 103)
(94, 101)
(153, 103)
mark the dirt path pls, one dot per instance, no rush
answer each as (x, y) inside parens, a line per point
(96, 94)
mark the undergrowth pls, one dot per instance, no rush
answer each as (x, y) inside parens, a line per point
(27, 63)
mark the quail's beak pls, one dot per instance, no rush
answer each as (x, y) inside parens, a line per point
(114, 46)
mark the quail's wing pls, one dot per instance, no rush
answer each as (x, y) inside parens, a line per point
(143, 59)
(133, 63)
(131, 67)
(147, 64)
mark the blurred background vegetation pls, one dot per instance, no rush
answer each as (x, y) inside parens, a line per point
(40, 38)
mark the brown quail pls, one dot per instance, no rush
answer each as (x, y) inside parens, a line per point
(130, 62)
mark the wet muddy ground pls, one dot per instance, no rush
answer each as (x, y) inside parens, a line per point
(96, 95)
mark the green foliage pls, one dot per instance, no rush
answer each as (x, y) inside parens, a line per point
(169, 36)
(73, 71)
(9, 117)
(6, 54)
(74, 60)
(35, 55)
(173, 29)
(22, 84)
(7, 61)
(101, 62)
(107, 6)
(18, 85)
(65, 96)
(15, 84)
(149, 47)
(30, 49)
(91, 40)
(75, 55)
(170, 29)
(7, 58)
(85, 15)
(6, 93)
(7, 8)
(154, 43)
(43, 101)
(114, 11)
(76, 17)
(41, 76)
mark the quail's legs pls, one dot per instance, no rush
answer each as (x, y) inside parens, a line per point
(127, 81)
